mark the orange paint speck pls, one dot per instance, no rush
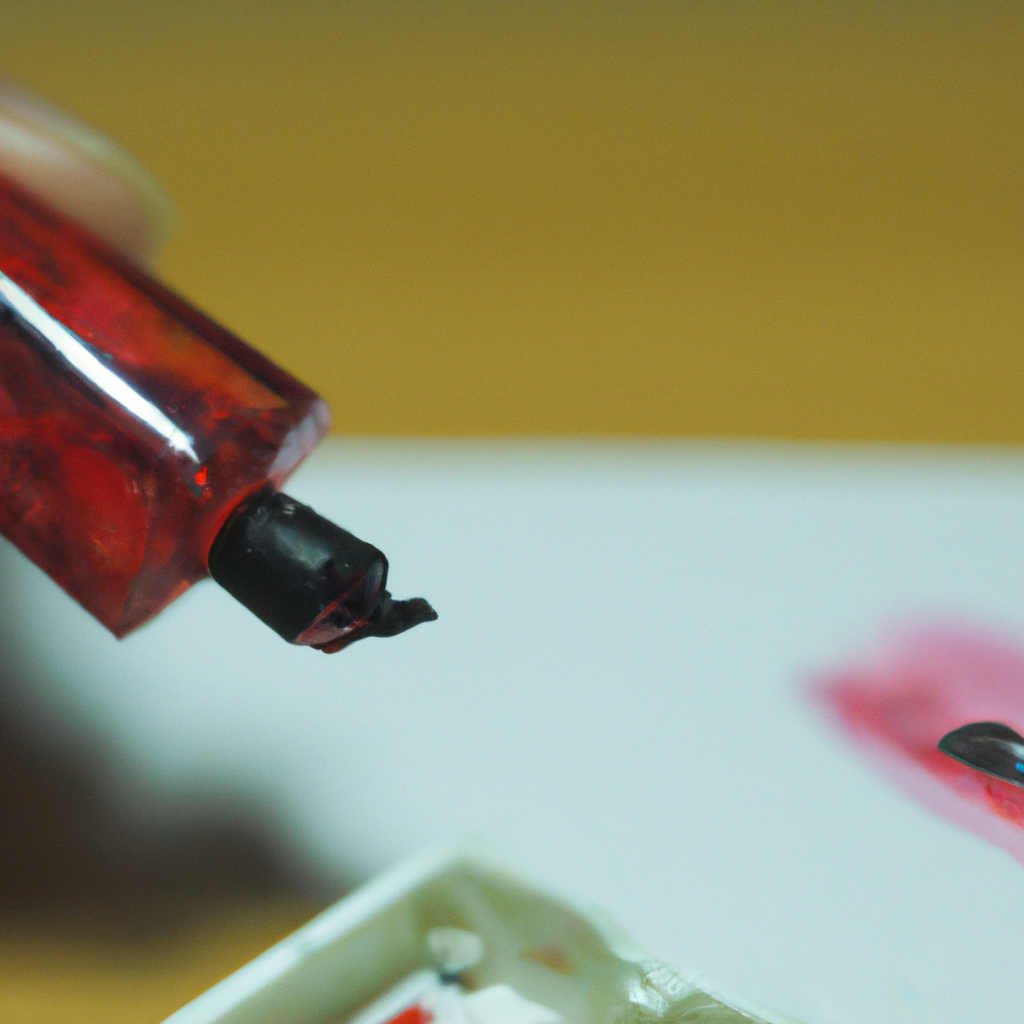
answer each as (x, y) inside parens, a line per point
(550, 956)
(414, 1015)
(96, 496)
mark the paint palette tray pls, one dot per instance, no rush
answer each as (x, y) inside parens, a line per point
(456, 941)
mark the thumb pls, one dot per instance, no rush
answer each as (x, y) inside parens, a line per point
(82, 174)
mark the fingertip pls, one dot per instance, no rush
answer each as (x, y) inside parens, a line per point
(83, 174)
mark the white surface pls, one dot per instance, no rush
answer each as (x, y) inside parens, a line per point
(499, 1004)
(610, 700)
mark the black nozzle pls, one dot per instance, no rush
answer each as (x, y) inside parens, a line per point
(311, 581)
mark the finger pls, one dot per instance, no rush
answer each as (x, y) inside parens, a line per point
(81, 173)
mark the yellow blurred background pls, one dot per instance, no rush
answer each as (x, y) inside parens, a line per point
(787, 220)
(781, 219)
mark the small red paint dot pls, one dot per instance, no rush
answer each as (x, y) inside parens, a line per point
(201, 477)
(414, 1015)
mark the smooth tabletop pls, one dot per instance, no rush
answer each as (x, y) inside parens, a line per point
(612, 700)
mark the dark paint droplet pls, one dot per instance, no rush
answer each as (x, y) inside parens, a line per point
(989, 747)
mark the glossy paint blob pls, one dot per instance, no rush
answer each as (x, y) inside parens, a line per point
(923, 683)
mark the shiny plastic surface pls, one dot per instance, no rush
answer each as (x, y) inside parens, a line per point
(130, 424)
(577, 965)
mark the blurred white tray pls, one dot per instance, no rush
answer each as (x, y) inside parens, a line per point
(575, 969)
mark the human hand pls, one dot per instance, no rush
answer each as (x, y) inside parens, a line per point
(81, 173)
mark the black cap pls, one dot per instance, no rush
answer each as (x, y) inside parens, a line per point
(309, 580)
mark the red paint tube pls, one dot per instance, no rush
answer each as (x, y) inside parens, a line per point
(142, 445)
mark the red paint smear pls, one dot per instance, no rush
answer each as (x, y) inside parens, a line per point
(921, 685)
(414, 1015)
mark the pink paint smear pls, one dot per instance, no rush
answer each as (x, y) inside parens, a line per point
(922, 684)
